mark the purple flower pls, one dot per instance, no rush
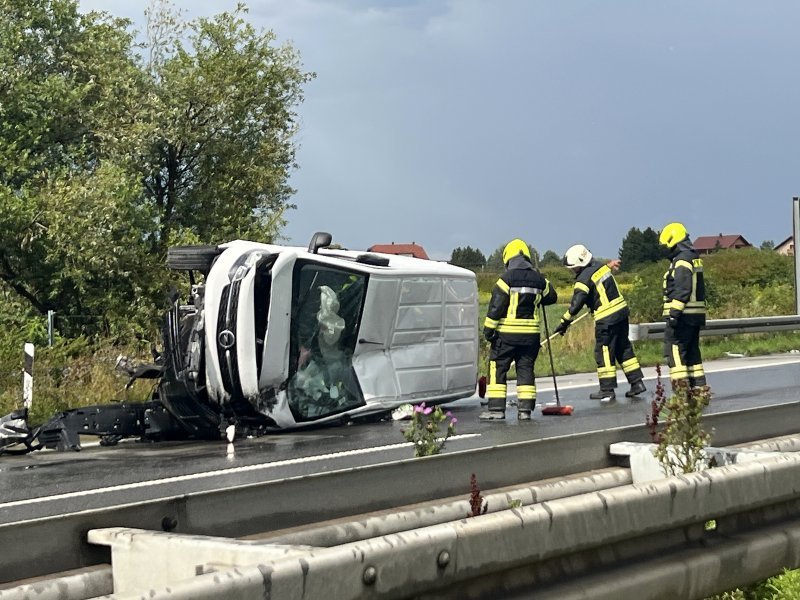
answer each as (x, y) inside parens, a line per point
(419, 408)
(453, 421)
(448, 414)
(427, 411)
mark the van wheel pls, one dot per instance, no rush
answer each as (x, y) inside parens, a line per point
(192, 258)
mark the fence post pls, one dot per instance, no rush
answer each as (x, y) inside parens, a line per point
(51, 317)
(27, 377)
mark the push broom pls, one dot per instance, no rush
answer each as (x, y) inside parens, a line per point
(556, 409)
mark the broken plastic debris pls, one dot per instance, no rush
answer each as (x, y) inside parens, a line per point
(734, 355)
(402, 412)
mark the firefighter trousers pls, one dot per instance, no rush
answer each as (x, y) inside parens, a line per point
(612, 346)
(501, 356)
(682, 353)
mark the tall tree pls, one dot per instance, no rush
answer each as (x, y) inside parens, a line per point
(469, 258)
(106, 159)
(639, 248)
(551, 259)
(222, 120)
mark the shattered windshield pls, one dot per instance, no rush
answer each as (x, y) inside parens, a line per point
(325, 318)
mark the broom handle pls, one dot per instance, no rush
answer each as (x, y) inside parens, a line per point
(550, 352)
(547, 341)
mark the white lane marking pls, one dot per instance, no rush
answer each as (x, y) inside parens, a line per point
(220, 472)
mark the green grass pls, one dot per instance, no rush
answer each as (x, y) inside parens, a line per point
(781, 587)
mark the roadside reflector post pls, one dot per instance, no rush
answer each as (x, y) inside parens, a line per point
(27, 377)
(795, 237)
(51, 317)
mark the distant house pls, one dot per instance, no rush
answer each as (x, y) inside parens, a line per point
(706, 244)
(413, 249)
(786, 247)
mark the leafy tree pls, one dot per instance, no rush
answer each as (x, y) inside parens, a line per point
(551, 259)
(469, 258)
(106, 160)
(767, 245)
(220, 124)
(639, 248)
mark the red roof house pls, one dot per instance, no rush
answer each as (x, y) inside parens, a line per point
(412, 249)
(706, 244)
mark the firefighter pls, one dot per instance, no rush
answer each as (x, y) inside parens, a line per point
(684, 307)
(512, 327)
(596, 288)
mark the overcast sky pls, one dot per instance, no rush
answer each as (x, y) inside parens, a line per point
(466, 122)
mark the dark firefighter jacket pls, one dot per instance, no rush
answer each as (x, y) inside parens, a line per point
(684, 287)
(596, 288)
(513, 309)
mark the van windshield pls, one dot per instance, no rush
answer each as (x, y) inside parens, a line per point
(327, 306)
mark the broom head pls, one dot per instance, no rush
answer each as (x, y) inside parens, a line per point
(561, 411)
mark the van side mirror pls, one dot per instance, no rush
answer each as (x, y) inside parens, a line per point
(321, 239)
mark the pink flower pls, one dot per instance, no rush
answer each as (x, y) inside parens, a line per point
(419, 408)
(453, 421)
(427, 411)
(448, 414)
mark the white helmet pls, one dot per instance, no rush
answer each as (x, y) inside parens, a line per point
(577, 256)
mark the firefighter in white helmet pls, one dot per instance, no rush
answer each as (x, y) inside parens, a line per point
(512, 327)
(596, 288)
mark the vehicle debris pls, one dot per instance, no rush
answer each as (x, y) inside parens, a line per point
(276, 337)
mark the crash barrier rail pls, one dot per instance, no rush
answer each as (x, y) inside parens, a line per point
(655, 331)
(58, 543)
(680, 537)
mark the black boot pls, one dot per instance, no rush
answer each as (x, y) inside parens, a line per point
(637, 387)
(524, 410)
(496, 410)
(603, 395)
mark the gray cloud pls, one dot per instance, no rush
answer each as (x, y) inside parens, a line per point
(469, 123)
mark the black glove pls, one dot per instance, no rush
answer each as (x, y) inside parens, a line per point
(489, 333)
(562, 327)
(672, 321)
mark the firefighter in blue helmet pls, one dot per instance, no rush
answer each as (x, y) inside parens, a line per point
(596, 288)
(512, 326)
(684, 307)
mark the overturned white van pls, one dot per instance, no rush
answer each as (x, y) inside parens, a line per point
(276, 337)
(286, 336)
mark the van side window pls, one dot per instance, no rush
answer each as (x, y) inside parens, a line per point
(327, 304)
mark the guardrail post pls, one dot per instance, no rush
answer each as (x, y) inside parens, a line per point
(27, 377)
(51, 317)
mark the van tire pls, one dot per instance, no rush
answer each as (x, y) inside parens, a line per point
(192, 258)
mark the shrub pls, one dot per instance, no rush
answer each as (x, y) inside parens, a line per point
(424, 431)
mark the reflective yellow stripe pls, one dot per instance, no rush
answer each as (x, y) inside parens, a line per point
(567, 316)
(496, 391)
(631, 365)
(492, 373)
(677, 305)
(526, 392)
(582, 287)
(610, 308)
(490, 323)
(676, 357)
(598, 277)
(685, 264)
(607, 373)
(607, 358)
(519, 328)
(502, 285)
(697, 371)
(513, 302)
(678, 373)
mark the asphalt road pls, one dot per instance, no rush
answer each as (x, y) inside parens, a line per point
(49, 483)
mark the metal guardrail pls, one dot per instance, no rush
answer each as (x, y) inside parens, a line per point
(52, 544)
(655, 331)
(754, 508)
